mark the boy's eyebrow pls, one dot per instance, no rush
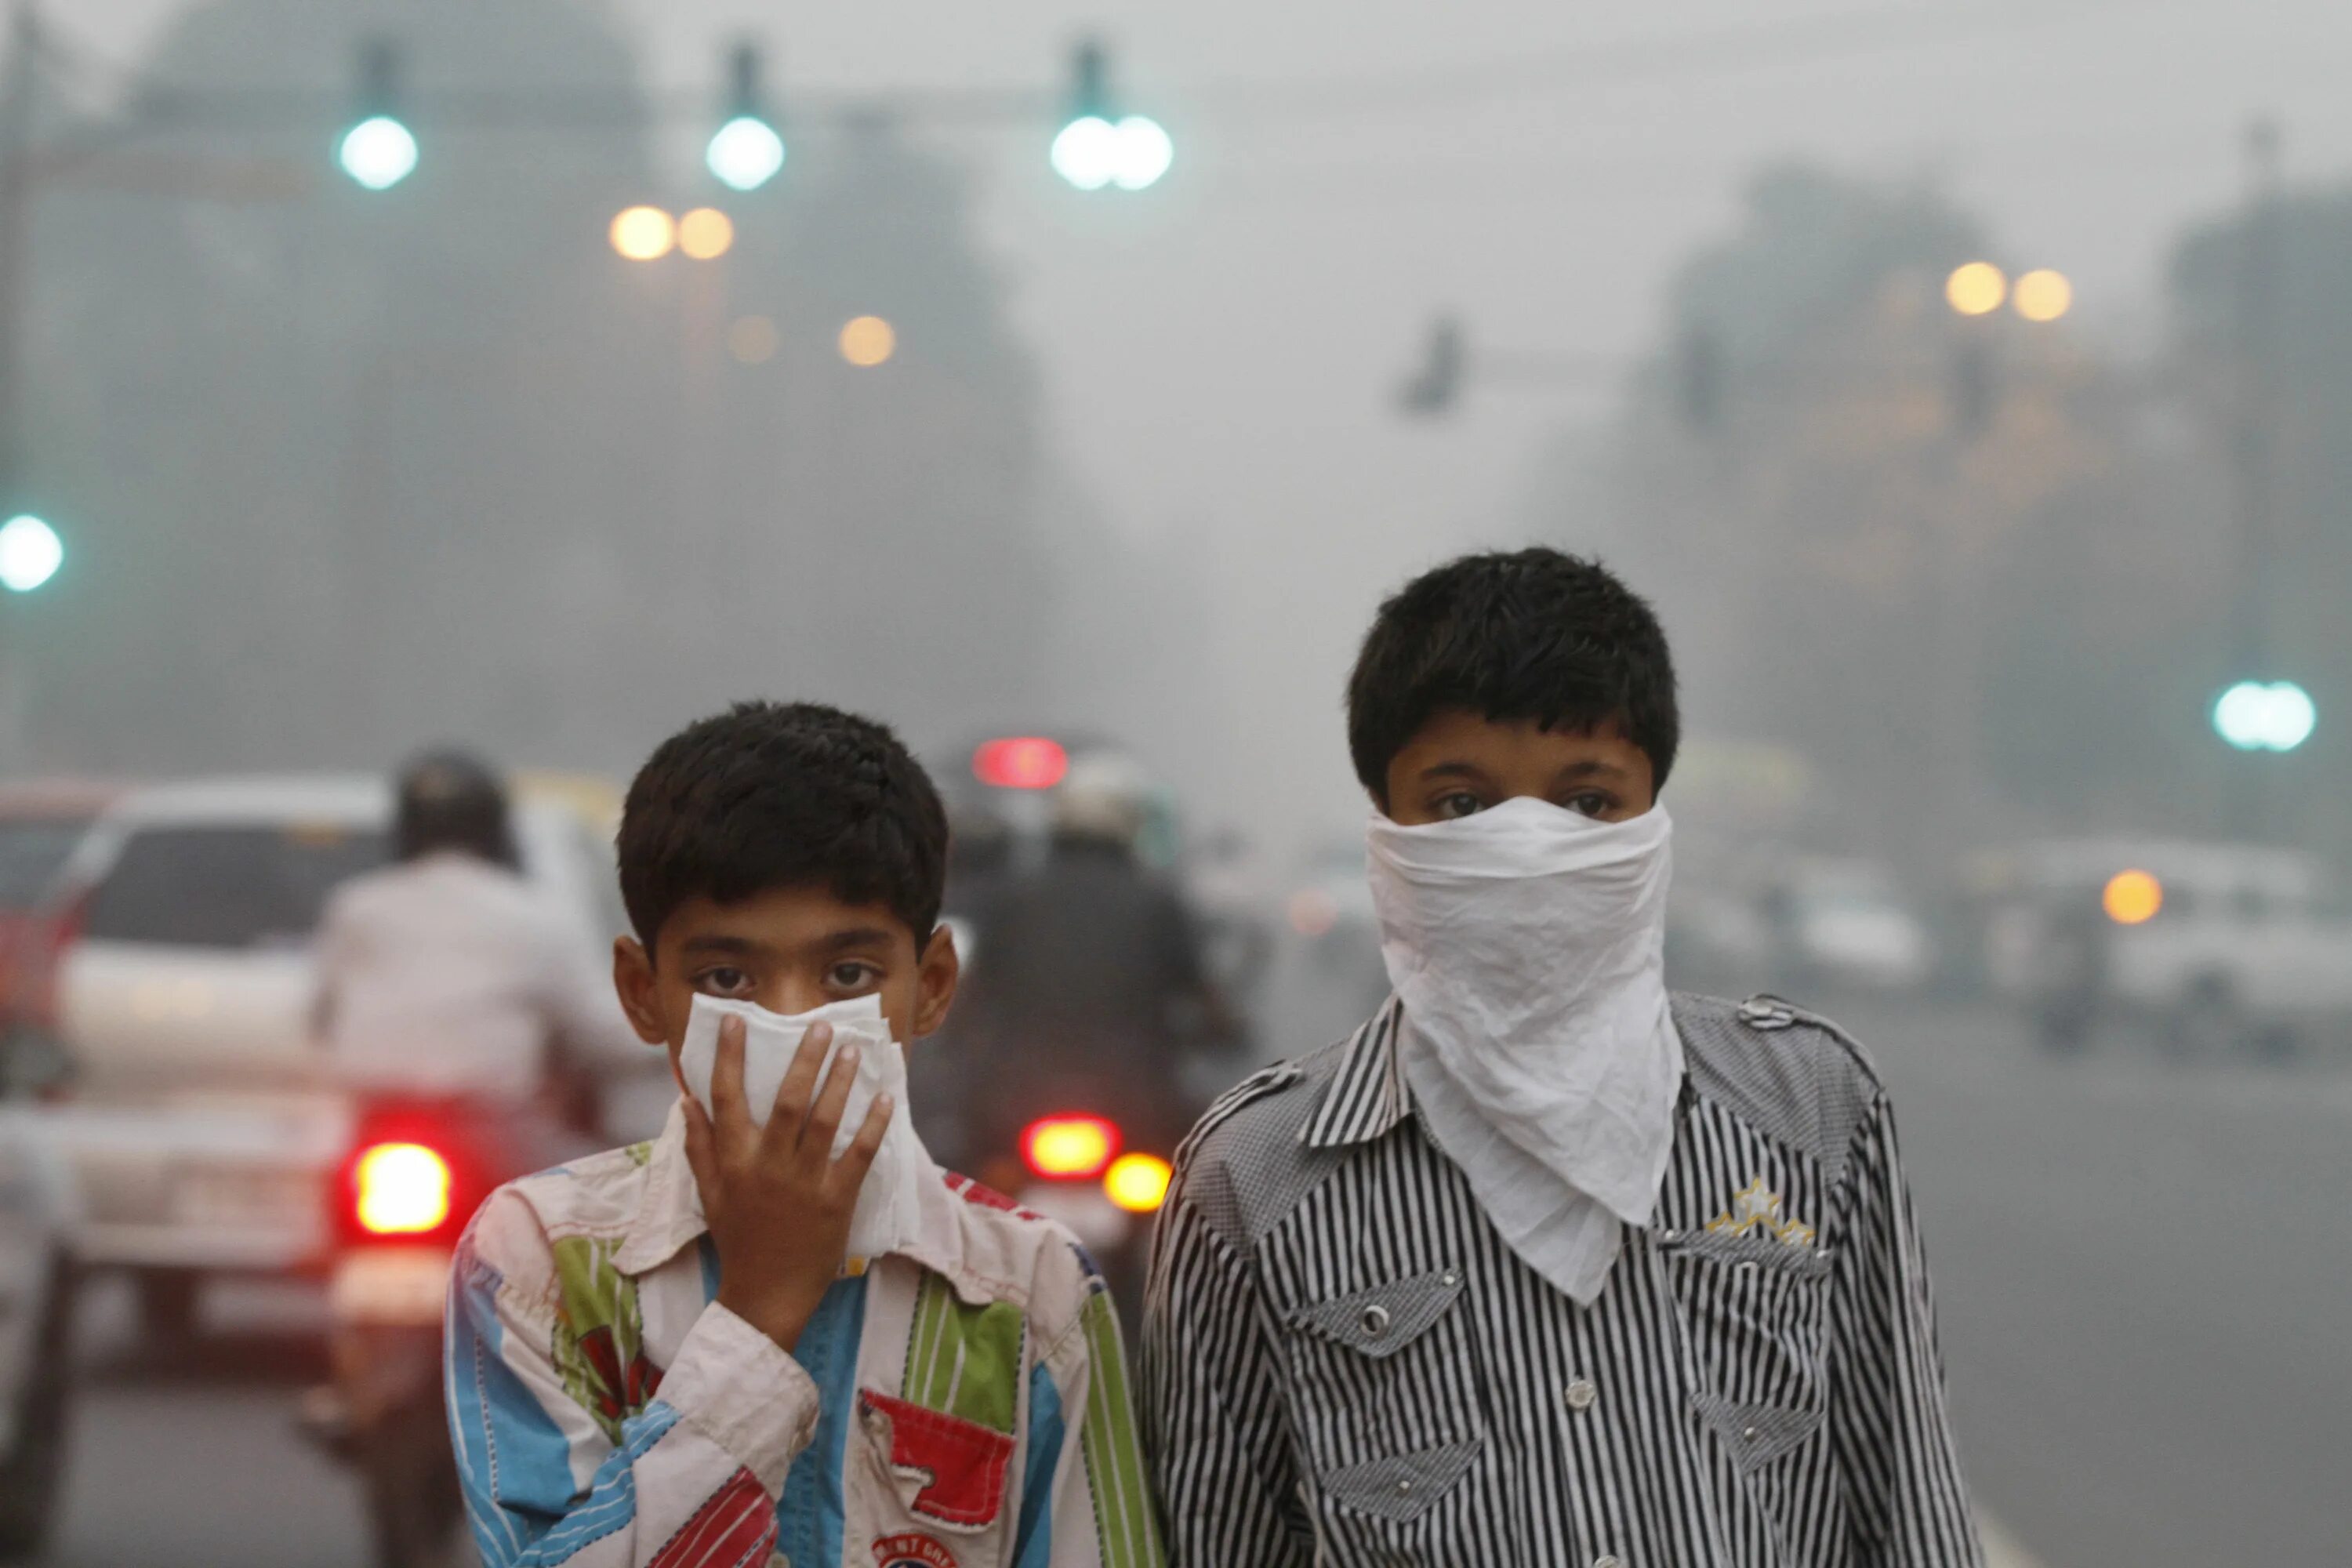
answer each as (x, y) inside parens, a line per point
(858, 936)
(1589, 766)
(1453, 770)
(719, 942)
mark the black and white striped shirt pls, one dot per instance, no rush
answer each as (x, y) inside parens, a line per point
(1344, 1364)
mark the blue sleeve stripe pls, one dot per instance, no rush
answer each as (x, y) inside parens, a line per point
(613, 1496)
(1034, 1543)
(812, 1515)
(514, 1463)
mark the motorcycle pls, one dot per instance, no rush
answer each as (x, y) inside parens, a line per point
(415, 1172)
(1090, 1151)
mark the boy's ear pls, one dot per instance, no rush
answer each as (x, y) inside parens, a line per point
(935, 981)
(633, 979)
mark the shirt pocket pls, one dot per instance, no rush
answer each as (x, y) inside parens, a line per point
(1388, 1394)
(1754, 1313)
(915, 1472)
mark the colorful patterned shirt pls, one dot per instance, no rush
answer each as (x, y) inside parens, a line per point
(961, 1403)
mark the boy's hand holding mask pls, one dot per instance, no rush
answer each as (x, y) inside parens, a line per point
(778, 1202)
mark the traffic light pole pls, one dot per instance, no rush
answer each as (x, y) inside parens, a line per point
(16, 153)
(2257, 277)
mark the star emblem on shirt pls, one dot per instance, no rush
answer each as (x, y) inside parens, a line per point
(1757, 1207)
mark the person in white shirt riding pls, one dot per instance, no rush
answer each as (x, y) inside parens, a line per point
(447, 973)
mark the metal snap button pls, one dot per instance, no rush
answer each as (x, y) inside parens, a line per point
(1609, 1562)
(1580, 1394)
(1749, 1434)
(1375, 1320)
(1450, 1278)
(1405, 1486)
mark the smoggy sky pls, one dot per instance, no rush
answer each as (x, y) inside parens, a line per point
(1219, 351)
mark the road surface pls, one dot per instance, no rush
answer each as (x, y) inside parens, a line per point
(2145, 1275)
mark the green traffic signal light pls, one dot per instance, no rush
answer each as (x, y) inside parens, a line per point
(378, 151)
(2258, 716)
(30, 553)
(1098, 147)
(747, 150)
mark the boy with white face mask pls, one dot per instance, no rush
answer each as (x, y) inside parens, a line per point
(778, 1333)
(1544, 1266)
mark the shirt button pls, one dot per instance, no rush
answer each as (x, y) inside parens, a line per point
(1609, 1562)
(778, 1560)
(1580, 1394)
(1376, 1321)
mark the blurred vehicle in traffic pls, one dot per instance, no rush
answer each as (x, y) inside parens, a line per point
(1092, 1025)
(1845, 923)
(175, 983)
(1798, 927)
(415, 1172)
(1330, 976)
(2224, 948)
(38, 1282)
(40, 824)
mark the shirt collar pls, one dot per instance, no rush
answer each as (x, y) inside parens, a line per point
(1368, 1096)
(669, 1217)
(669, 1206)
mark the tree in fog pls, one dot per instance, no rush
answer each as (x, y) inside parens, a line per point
(353, 471)
(1955, 613)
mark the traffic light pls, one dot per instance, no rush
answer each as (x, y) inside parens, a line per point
(2259, 716)
(1973, 391)
(378, 150)
(31, 553)
(746, 150)
(1098, 146)
(1435, 384)
(1699, 381)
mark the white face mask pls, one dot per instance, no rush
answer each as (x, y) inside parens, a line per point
(886, 1215)
(1527, 945)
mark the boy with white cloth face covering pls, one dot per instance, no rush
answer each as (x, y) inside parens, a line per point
(1546, 1266)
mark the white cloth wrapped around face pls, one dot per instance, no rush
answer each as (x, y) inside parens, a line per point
(888, 1203)
(1528, 945)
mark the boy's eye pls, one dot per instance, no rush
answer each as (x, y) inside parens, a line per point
(723, 980)
(853, 975)
(1458, 804)
(1590, 804)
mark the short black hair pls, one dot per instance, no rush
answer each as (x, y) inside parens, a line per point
(1532, 633)
(779, 794)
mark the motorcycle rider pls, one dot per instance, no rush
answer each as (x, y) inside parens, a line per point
(1092, 963)
(448, 974)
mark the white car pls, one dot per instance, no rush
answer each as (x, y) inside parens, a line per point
(2220, 946)
(198, 1124)
(1847, 922)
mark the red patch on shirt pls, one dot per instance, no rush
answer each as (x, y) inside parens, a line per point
(986, 1198)
(964, 1462)
(911, 1552)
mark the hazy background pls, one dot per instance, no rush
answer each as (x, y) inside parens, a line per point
(1206, 369)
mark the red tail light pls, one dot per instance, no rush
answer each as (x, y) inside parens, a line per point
(400, 1189)
(35, 965)
(1020, 761)
(1069, 1148)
